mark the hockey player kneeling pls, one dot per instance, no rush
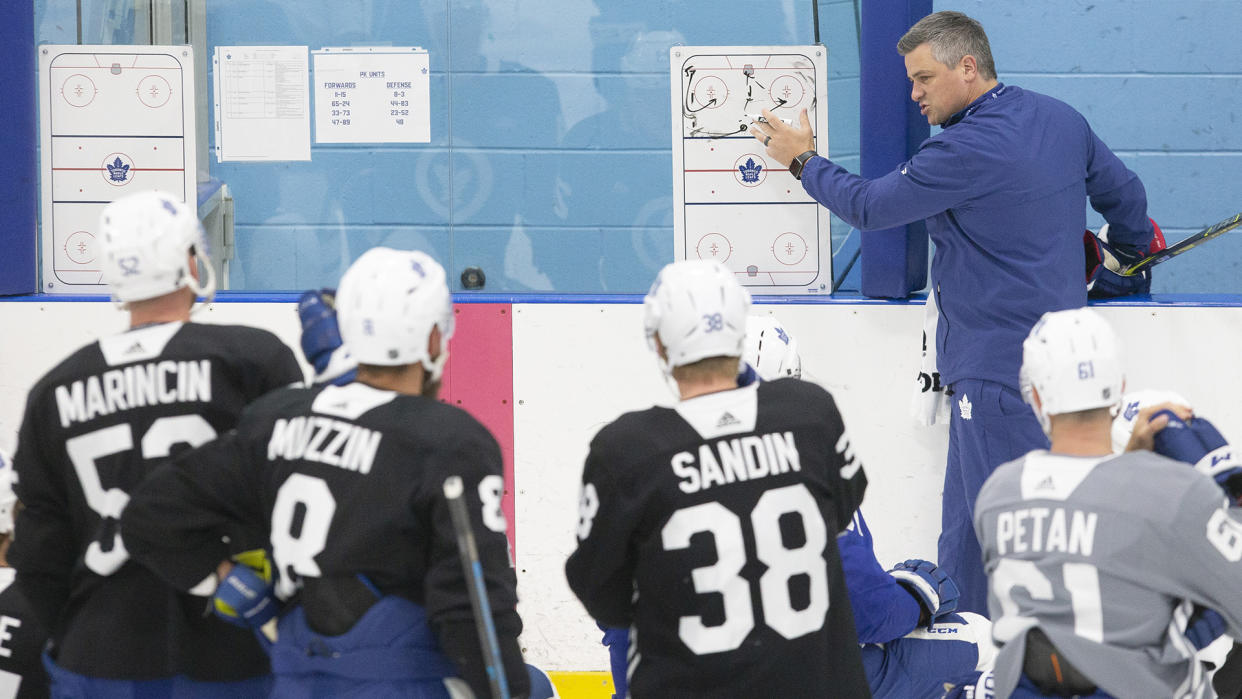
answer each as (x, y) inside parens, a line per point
(913, 640)
(346, 482)
(709, 528)
(1095, 561)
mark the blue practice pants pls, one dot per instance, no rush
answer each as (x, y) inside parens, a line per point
(70, 685)
(981, 688)
(990, 425)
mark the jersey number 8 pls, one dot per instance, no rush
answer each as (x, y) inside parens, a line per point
(724, 577)
(294, 547)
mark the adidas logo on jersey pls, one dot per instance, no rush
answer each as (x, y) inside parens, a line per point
(964, 406)
(135, 348)
(1046, 484)
(726, 420)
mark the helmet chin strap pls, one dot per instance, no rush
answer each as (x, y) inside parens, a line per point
(1027, 389)
(206, 290)
(671, 383)
(435, 367)
(666, 371)
(1045, 422)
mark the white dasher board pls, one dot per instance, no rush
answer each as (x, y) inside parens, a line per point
(731, 201)
(115, 120)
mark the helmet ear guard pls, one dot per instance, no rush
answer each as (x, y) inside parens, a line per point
(389, 303)
(698, 310)
(1071, 360)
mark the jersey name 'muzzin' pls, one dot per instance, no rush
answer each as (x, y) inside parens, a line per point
(351, 447)
(152, 383)
(737, 459)
(1039, 529)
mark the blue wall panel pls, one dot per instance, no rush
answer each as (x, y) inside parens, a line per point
(287, 258)
(1071, 36)
(17, 199)
(1152, 112)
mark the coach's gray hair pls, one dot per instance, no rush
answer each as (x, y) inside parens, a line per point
(952, 35)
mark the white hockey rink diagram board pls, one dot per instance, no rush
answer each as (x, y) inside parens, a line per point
(114, 120)
(732, 202)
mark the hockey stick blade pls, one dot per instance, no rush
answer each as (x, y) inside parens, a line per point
(473, 569)
(1182, 246)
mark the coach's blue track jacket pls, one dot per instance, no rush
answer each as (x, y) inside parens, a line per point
(1002, 189)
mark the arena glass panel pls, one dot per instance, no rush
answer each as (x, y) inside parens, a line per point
(549, 166)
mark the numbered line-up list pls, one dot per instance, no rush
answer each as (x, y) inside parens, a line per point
(375, 95)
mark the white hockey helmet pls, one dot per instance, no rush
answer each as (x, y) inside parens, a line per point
(388, 303)
(1131, 404)
(698, 309)
(146, 240)
(1072, 359)
(8, 499)
(770, 349)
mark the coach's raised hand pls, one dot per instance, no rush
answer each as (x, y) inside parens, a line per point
(784, 142)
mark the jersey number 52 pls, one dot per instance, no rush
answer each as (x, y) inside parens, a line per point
(157, 443)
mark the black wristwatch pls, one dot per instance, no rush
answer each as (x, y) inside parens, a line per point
(795, 168)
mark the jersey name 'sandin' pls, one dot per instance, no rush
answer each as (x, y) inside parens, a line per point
(150, 383)
(741, 458)
(351, 447)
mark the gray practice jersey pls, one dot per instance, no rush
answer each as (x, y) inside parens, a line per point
(1102, 554)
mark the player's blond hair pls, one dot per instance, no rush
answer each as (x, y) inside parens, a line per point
(707, 369)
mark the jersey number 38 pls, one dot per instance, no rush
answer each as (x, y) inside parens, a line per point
(783, 563)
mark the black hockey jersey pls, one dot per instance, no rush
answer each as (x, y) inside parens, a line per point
(21, 644)
(94, 426)
(345, 480)
(710, 530)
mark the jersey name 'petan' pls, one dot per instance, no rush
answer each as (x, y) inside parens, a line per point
(351, 447)
(134, 386)
(741, 459)
(1039, 529)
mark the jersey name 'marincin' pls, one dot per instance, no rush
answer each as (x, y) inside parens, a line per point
(351, 447)
(134, 386)
(740, 459)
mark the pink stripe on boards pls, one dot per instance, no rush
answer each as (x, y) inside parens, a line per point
(479, 379)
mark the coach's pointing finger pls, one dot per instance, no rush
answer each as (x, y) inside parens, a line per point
(786, 142)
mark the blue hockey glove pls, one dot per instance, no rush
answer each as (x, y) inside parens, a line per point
(1203, 627)
(931, 586)
(1105, 263)
(321, 338)
(246, 596)
(1198, 442)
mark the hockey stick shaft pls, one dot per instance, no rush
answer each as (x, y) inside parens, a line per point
(473, 569)
(1183, 245)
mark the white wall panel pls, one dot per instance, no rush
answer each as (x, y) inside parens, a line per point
(37, 336)
(578, 366)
